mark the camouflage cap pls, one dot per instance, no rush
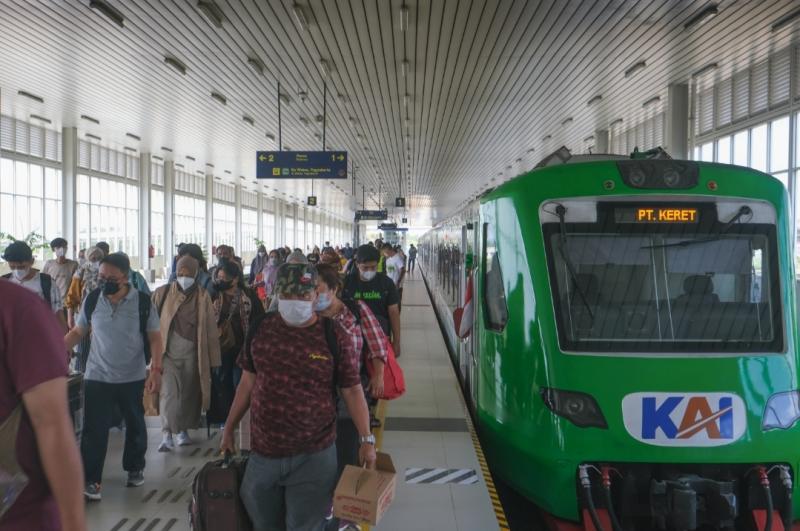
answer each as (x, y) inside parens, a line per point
(296, 279)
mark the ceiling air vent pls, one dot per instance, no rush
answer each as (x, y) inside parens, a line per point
(93, 137)
(212, 12)
(178, 65)
(219, 97)
(90, 119)
(41, 118)
(135, 137)
(105, 9)
(33, 97)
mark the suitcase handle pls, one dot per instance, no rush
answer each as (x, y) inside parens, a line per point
(226, 459)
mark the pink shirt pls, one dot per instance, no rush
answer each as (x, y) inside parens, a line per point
(31, 352)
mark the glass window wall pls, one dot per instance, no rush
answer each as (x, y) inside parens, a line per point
(108, 210)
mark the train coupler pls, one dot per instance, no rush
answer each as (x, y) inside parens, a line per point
(689, 502)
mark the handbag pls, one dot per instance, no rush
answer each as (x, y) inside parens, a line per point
(394, 382)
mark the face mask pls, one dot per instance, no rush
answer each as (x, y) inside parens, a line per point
(185, 282)
(368, 275)
(295, 313)
(323, 302)
(60, 251)
(110, 287)
(273, 261)
(94, 266)
(224, 285)
(262, 255)
(19, 274)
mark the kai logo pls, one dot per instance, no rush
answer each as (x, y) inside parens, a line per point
(684, 419)
(317, 357)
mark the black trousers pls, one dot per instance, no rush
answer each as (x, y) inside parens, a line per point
(412, 262)
(101, 399)
(347, 444)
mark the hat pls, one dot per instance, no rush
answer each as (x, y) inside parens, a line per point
(188, 262)
(296, 279)
(18, 251)
(297, 257)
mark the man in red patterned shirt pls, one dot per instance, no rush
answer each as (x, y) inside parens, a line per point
(292, 365)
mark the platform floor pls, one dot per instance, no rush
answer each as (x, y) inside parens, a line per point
(424, 430)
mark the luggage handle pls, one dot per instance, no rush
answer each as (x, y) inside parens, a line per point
(227, 456)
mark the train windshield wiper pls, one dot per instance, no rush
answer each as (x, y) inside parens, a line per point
(744, 211)
(562, 249)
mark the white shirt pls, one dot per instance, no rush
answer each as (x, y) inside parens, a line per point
(34, 284)
(394, 266)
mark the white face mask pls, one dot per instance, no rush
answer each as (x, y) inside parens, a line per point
(368, 275)
(295, 313)
(60, 251)
(262, 255)
(19, 274)
(323, 302)
(94, 266)
(185, 282)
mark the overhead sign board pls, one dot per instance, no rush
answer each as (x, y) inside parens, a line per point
(373, 215)
(301, 164)
(312, 200)
(405, 220)
(400, 202)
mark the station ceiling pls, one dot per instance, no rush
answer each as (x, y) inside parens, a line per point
(434, 100)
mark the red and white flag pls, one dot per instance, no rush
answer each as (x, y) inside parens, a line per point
(467, 314)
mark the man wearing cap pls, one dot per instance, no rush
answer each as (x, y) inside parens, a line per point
(116, 369)
(20, 260)
(292, 364)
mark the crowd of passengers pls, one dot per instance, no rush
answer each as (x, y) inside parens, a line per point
(284, 349)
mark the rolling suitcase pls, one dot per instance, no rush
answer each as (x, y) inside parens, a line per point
(215, 503)
(75, 396)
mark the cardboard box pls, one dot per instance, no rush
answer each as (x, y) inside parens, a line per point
(363, 495)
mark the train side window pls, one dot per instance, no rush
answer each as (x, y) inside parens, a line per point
(494, 293)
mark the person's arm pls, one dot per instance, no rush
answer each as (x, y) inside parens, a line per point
(357, 407)
(394, 320)
(241, 403)
(376, 384)
(153, 384)
(47, 409)
(74, 337)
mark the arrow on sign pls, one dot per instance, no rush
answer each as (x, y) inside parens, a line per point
(340, 157)
(262, 158)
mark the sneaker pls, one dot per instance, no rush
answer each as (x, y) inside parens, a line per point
(135, 479)
(183, 439)
(92, 491)
(344, 525)
(167, 445)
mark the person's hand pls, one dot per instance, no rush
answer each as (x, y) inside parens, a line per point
(375, 386)
(153, 384)
(227, 443)
(367, 456)
(396, 347)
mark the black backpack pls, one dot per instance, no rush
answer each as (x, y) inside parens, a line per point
(144, 315)
(46, 282)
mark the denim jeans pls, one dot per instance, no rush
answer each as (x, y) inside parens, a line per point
(100, 401)
(289, 493)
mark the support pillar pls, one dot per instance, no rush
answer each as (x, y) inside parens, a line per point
(238, 243)
(677, 121)
(209, 215)
(69, 191)
(145, 180)
(169, 212)
(601, 141)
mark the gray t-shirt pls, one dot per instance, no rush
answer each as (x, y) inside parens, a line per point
(117, 347)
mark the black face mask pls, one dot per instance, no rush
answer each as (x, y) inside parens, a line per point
(224, 285)
(110, 288)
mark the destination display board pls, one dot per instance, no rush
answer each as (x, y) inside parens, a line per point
(301, 164)
(371, 215)
(657, 214)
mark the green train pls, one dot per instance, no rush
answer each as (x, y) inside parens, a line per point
(632, 361)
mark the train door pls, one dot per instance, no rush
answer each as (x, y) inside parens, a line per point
(471, 345)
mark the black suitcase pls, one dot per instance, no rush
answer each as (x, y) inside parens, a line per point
(215, 503)
(75, 396)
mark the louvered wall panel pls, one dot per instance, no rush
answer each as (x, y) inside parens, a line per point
(797, 72)
(36, 147)
(658, 141)
(723, 100)
(759, 88)
(22, 137)
(741, 95)
(705, 112)
(780, 78)
(7, 133)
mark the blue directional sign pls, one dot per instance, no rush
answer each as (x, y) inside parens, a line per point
(301, 164)
(374, 215)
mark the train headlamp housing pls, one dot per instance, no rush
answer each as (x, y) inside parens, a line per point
(579, 408)
(659, 174)
(782, 411)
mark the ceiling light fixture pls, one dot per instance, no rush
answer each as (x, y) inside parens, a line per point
(710, 67)
(633, 69)
(567, 121)
(179, 165)
(404, 66)
(209, 165)
(300, 16)
(211, 11)
(189, 157)
(545, 139)
(156, 157)
(702, 16)
(531, 150)
(249, 120)
(594, 100)
(93, 137)
(105, 9)
(618, 121)
(786, 20)
(257, 65)
(176, 64)
(228, 172)
(285, 99)
(127, 148)
(219, 97)
(651, 101)
(135, 137)
(168, 150)
(28, 95)
(406, 98)
(404, 14)
(326, 67)
(588, 138)
(271, 136)
(41, 118)
(90, 119)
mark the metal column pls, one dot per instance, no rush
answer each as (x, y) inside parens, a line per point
(601, 141)
(145, 179)
(69, 192)
(169, 212)
(677, 121)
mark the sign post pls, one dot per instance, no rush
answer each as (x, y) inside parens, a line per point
(301, 164)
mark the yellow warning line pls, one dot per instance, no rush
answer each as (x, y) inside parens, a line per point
(499, 512)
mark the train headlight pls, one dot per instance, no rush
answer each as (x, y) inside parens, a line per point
(782, 411)
(579, 408)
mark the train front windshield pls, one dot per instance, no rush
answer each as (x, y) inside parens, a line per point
(689, 283)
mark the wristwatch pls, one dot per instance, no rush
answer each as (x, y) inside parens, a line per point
(367, 439)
